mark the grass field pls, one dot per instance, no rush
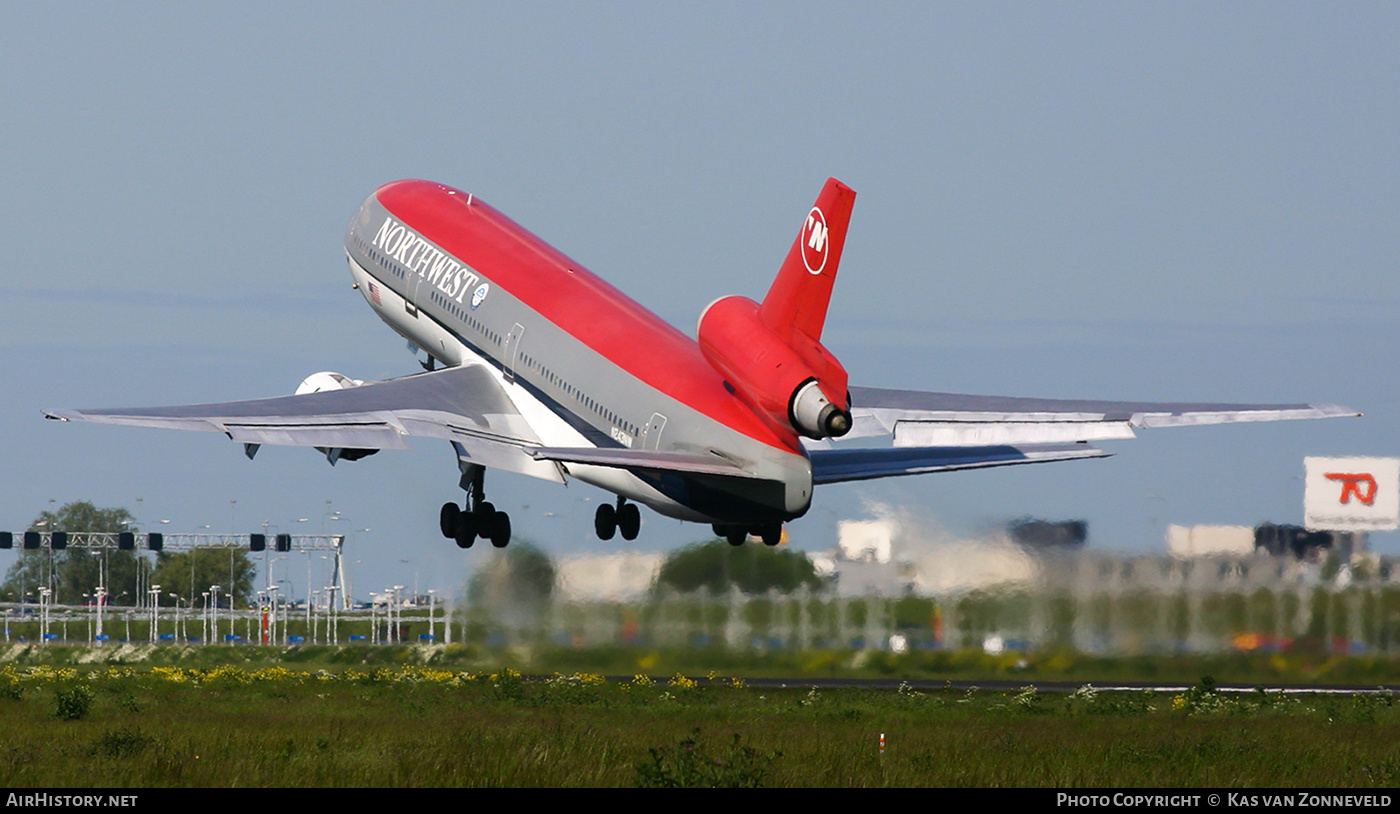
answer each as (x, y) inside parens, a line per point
(1239, 668)
(171, 726)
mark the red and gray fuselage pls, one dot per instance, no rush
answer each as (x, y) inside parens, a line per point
(585, 364)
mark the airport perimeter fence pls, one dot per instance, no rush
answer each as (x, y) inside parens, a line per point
(1354, 621)
(32, 623)
(1101, 605)
(1110, 607)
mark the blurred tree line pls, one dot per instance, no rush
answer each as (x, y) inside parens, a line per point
(73, 574)
(523, 576)
(754, 569)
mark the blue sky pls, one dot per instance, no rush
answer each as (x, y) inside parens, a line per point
(1137, 201)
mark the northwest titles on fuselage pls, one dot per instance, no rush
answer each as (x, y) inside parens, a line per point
(414, 253)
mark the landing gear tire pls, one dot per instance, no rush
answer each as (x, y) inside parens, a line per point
(482, 519)
(465, 533)
(447, 520)
(771, 535)
(491, 524)
(500, 530)
(736, 536)
(605, 522)
(629, 520)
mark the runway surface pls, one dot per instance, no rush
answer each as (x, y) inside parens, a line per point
(1004, 685)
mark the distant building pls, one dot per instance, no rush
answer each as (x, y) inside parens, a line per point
(865, 540)
(622, 577)
(1282, 540)
(961, 566)
(875, 558)
(1188, 542)
(1033, 532)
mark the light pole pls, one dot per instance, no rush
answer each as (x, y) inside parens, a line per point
(339, 576)
(214, 610)
(350, 586)
(101, 601)
(334, 631)
(48, 574)
(177, 633)
(399, 603)
(274, 617)
(309, 630)
(389, 615)
(155, 610)
(267, 572)
(44, 614)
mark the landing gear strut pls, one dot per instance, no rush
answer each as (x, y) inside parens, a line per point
(480, 520)
(626, 518)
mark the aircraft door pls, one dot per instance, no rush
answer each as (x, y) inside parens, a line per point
(512, 351)
(651, 436)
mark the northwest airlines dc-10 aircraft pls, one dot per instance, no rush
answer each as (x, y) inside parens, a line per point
(549, 371)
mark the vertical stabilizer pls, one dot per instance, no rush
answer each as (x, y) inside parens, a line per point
(799, 296)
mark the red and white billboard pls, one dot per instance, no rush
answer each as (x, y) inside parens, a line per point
(1351, 494)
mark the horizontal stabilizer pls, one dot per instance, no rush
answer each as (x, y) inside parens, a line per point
(837, 465)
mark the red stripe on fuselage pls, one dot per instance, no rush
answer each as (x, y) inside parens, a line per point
(576, 300)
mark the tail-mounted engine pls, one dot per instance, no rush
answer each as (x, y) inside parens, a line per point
(771, 354)
(795, 383)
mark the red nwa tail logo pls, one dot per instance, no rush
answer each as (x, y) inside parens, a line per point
(814, 241)
(1362, 485)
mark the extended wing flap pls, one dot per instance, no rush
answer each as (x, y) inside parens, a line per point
(351, 435)
(837, 465)
(969, 433)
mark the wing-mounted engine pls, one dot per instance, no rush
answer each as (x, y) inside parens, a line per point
(326, 380)
(319, 383)
(795, 383)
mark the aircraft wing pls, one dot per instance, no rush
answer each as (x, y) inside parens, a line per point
(919, 419)
(462, 404)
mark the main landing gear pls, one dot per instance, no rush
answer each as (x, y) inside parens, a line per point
(626, 518)
(770, 533)
(480, 520)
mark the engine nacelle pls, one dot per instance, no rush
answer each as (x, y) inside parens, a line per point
(796, 384)
(319, 383)
(326, 380)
